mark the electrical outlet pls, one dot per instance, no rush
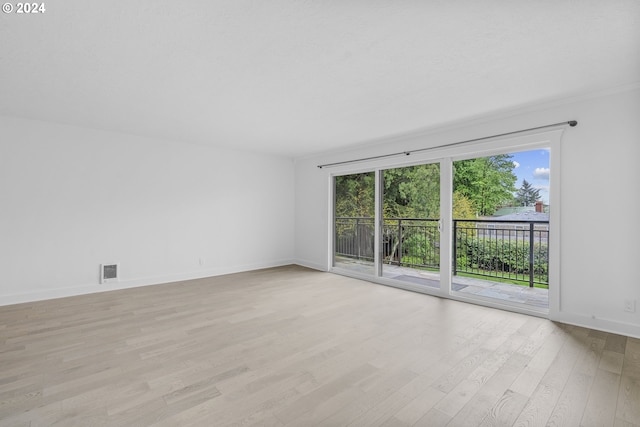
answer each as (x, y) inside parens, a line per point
(630, 305)
(202, 261)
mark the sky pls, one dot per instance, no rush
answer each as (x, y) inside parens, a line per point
(534, 167)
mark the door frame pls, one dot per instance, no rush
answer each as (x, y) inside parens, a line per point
(446, 156)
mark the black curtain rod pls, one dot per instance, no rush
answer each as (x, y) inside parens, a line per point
(571, 123)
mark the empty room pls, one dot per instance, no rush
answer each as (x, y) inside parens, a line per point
(320, 213)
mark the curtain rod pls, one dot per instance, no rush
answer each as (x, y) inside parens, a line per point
(571, 123)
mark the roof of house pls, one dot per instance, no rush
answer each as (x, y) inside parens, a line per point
(522, 216)
(510, 210)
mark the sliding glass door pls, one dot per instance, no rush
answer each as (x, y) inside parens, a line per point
(501, 227)
(469, 227)
(354, 223)
(404, 244)
(410, 226)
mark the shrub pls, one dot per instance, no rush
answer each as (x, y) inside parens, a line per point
(420, 247)
(501, 256)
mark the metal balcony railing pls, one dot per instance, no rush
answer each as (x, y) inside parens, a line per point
(512, 250)
(355, 238)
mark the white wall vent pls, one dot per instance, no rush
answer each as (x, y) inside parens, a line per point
(109, 273)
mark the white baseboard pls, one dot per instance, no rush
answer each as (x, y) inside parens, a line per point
(310, 264)
(47, 294)
(599, 324)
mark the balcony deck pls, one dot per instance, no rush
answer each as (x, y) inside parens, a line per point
(534, 297)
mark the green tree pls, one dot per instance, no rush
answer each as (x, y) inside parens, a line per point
(412, 192)
(462, 207)
(488, 182)
(355, 195)
(480, 186)
(527, 195)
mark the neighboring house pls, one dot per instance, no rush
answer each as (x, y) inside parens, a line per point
(539, 207)
(508, 221)
(523, 215)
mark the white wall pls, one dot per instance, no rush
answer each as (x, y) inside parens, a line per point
(599, 201)
(72, 198)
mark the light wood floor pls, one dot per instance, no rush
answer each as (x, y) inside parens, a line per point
(295, 347)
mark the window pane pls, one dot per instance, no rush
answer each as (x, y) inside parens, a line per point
(354, 222)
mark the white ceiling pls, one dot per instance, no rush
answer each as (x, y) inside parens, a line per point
(295, 77)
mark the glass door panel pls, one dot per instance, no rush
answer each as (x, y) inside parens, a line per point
(410, 237)
(501, 228)
(354, 222)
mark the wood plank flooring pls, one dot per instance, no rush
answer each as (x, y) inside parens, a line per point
(291, 346)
